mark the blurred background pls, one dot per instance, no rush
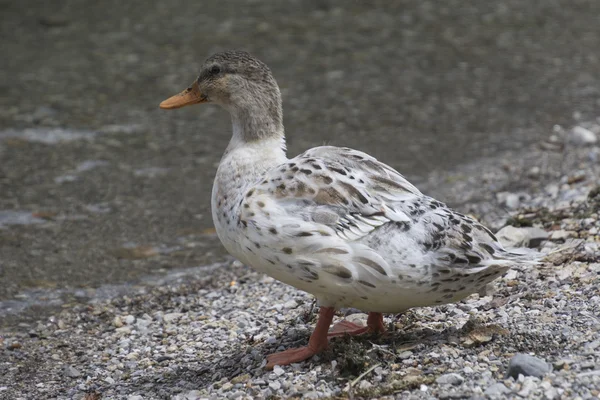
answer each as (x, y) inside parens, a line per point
(99, 189)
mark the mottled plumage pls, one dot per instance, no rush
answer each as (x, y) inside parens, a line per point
(337, 223)
(332, 221)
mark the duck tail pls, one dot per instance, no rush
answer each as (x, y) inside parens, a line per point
(519, 258)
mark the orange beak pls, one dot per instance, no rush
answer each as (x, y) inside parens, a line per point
(189, 96)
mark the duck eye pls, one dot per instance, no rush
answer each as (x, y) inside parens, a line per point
(215, 69)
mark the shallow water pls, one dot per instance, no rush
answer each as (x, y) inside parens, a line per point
(90, 165)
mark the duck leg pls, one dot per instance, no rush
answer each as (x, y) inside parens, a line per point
(316, 344)
(374, 325)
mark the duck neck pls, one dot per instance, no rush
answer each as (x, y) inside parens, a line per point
(257, 145)
(258, 132)
(257, 122)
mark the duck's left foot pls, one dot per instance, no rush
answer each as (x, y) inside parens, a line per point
(374, 325)
(289, 356)
(316, 344)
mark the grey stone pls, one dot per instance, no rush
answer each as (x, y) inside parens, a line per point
(527, 365)
(455, 395)
(170, 317)
(511, 236)
(497, 390)
(512, 201)
(450, 379)
(71, 372)
(582, 136)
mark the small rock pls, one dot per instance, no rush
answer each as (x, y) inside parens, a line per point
(592, 345)
(71, 372)
(364, 385)
(497, 390)
(191, 395)
(275, 385)
(405, 354)
(290, 304)
(129, 320)
(511, 236)
(455, 395)
(562, 235)
(311, 395)
(527, 387)
(135, 397)
(534, 172)
(562, 364)
(582, 136)
(124, 330)
(511, 200)
(511, 275)
(278, 370)
(551, 393)
(527, 365)
(15, 346)
(587, 365)
(450, 379)
(170, 317)
(240, 379)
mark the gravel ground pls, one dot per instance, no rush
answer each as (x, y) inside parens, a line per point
(205, 332)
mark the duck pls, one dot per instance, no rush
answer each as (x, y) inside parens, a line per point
(333, 221)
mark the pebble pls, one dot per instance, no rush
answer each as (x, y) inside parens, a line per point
(510, 200)
(290, 304)
(528, 386)
(117, 322)
(583, 136)
(511, 236)
(497, 390)
(405, 354)
(364, 385)
(71, 372)
(171, 317)
(562, 235)
(551, 393)
(450, 379)
(527, 365)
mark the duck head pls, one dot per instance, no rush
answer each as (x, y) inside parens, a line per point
(242, 85)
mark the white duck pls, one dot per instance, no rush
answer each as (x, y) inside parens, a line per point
(334, 222)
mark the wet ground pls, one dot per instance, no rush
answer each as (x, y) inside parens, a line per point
(98, 186)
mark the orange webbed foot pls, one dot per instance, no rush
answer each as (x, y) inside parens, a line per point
(374, 325)
(347, 328)
(317, 343)
(289, 356)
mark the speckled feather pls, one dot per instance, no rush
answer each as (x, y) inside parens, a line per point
(354, 232)
(333, 221)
